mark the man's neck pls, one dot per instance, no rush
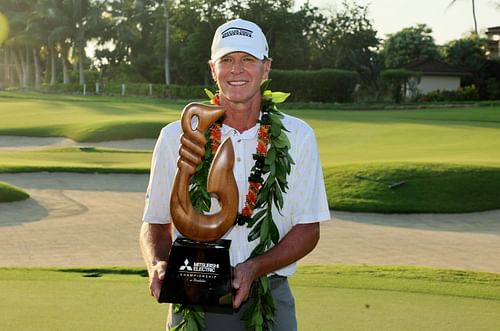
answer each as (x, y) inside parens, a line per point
(241, 116)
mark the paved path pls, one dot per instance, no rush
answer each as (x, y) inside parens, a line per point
(94, 219)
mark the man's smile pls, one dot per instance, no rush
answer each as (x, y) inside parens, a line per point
(237, 82)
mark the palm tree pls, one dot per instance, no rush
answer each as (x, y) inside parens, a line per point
(47, 21)
(473, 12)
(18, 44)
(167, 43)
(81, 20)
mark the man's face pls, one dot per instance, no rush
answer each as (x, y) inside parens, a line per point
(238, 76)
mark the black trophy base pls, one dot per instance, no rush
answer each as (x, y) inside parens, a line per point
(198, 273)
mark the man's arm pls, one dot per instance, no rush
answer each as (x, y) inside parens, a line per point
(155, 241)
(299, 241)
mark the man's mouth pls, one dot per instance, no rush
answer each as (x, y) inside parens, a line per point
(237, 82)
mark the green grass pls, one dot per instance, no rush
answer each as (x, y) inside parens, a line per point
(425, 188)
(86, 120)
(449, 157)
(459, 135)
(11, 193)
(455, 135)
(328, 297)
(76, 159)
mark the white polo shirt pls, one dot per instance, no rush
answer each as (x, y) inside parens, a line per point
(304, 202)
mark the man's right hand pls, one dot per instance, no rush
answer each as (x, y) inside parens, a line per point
(156, 280)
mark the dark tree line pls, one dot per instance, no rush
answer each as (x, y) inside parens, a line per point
(48, 37)
(168, 41)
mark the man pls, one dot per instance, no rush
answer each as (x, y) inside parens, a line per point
(239, 63)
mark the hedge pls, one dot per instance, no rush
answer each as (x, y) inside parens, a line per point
(135, 89)
(325, 85)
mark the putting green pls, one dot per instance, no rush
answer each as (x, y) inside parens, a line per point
(328, 298)
(448, 158)
(458, 135)
(348, 309)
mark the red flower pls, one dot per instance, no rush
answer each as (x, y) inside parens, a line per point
(215, 133)
(215, 137)
(264, 133)
(261, 148)
(251, 198)
(254, 186)
(247, 212)
(215, 100)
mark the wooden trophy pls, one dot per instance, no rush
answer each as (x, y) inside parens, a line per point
(198, 269)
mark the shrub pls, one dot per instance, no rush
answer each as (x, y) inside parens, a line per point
(325, 85)
(466, 93)
(137, 89)
(493, 89)
(397, 78)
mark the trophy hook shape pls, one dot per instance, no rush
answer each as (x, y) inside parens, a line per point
(220, 181)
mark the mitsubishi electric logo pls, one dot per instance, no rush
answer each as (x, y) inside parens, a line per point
(237, 32)
(186, 266)
(199, 270)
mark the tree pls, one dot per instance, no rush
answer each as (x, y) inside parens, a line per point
(470, 53)
(467, 52)
(18, 45)
(350, 42)
(193, 25)
(287, 31)
(123, 32)
(167, 43)
(409, 44)
(473, 12)
(398, 79)
(82, 20)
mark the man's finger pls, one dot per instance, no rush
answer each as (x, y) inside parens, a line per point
(159, 269)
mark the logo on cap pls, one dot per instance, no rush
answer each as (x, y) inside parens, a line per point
(237, 32)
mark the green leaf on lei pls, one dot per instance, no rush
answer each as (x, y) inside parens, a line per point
(209, 94)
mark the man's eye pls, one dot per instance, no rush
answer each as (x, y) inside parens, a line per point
(225, 60)
(248, 59)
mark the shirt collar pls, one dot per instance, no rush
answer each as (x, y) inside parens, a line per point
(251, 133)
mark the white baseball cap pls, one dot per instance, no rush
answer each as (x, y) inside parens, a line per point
(239, 36)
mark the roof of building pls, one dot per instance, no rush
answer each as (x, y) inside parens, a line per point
(493, 30)
(436, 68)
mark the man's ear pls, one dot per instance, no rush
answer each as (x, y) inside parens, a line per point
(267, 69)
(212, 70)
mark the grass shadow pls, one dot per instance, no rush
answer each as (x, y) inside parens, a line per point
(100, 272)
(21, 212)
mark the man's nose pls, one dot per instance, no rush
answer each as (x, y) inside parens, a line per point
(237, 66)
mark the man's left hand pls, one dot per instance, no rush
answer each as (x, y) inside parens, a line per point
(243, 276)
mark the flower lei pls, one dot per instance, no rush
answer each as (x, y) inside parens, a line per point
(272, 158)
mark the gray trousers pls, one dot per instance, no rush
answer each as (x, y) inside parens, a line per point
(284, 318)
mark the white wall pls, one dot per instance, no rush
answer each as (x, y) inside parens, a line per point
(433, 83)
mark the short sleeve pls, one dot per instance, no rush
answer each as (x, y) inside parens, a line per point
(309, 202)
(163, 168)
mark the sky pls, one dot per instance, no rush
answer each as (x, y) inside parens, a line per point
(390, 16)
